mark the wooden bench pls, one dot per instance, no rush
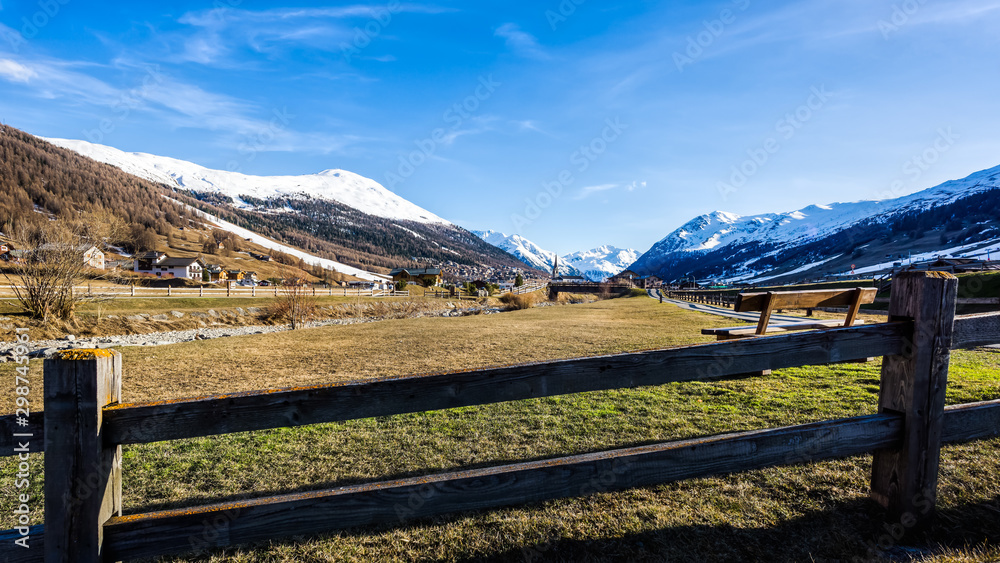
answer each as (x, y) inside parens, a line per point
(770, 301)
(777, 300)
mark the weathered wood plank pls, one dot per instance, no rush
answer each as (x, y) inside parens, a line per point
(770, 302)
(34, 553)
(35, 429)
(778, 328)
(976, 330)
(856, 301)
(749, 302)
(904, 478)
(234, 523)
(82, 477)
(258, 410)
(971, 421)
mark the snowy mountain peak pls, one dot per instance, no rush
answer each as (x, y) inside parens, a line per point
(364, 194)
(779, 233)
(596, 264)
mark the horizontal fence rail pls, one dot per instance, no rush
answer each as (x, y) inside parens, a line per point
(140, 423)
(146, 535)
(260, 410)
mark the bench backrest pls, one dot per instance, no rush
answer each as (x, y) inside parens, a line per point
(766, 302)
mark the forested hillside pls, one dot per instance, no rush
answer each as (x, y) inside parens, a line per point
(38, 176)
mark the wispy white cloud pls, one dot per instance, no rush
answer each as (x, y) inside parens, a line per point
(15, 71)
(893, 18)
(520, 42)
(531, 125)
(171, 102)
(591, 190)
(214, 37)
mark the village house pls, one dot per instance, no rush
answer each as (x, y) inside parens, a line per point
(146, 260)
(235, 275)
(423, 276)
(216, 273)
(92, 256)
(626, 277)
(648, 282)
(162, 266)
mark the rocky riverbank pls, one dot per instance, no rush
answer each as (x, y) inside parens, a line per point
(224, 323)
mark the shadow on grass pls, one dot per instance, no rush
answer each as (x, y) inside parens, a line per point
(853, 531)
(858, 530)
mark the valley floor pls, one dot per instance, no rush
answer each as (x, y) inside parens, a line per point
(817, 512)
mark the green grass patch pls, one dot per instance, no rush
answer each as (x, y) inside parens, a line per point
(800, 513)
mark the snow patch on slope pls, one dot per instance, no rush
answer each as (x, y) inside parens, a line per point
(274, 245)
(348, 188)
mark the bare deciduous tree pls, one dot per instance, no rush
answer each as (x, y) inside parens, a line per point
(295, 302)
(52, 263)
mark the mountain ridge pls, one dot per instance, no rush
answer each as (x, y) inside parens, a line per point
(729, 246)
(595, 264)
(342, 186)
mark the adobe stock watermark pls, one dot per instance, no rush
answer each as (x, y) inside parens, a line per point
(456, 115)
(22, 441)
(260, 139)
(364, 35)
(128, 101)
(563, 11)
(33, 24)
(786, 128)
(581, 159)
(915, 166)
(895, 531)
(901, 14)
(713, 29)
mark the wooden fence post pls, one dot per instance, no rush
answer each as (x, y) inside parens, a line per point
(168, 291)
(133, 291)
(904, 479)
(82, 477)
(201, 291)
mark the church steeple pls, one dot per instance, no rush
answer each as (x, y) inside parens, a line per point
(555, 267)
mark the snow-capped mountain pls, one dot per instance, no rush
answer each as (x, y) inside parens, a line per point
(596, 265)
(335, 218)
(341, 186)
(523, 249)
(601, 262)
(727, 245)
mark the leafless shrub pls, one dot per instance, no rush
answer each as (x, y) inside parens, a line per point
(517, 302)
(50, 265)
(295, 303)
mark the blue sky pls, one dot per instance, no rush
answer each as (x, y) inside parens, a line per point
(572, 122)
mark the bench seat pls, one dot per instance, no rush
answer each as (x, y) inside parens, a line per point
(744, 331)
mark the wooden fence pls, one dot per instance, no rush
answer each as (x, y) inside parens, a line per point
(233, 291)
(84, 425)
(460, 294)
(707, 297)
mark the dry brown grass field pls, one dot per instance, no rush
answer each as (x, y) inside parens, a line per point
(811, 512)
